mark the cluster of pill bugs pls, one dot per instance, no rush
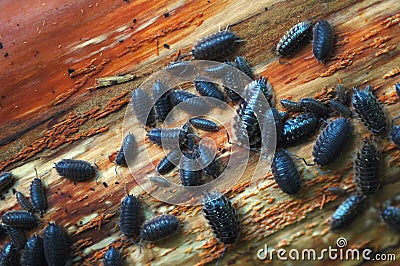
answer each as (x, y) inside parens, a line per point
(299, 123)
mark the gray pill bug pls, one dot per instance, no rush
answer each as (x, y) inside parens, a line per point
(112, 257)
(9, 255)
(6, 181)
(391, 216)
(347, 212)
(204, 124)
(294, 39)
(128, 145)
(142, 105)
(182, 69)
(220, 69)
(160, 181)
(189, 102)
(340, 108)
(159, 227)
(323, 39)
(162, 103)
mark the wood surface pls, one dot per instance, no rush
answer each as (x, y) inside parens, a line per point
(51, 108)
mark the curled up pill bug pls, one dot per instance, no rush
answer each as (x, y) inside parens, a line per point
(314, 106)
(299, 128)
(24, 202)
(9, 255)
(323, 39)
(294, 39)
(169, 162)
(128, 146)
(209, 89)
(346, 213)
(130, 216)
(391, 216)
(17, 236)
(142, 106)
(291, 106)
(162, 102)
(285, 173)
(340, 108)
(20, 219)
(34, 252)
(159, 227)
(203, 124)
(6, 181)
(112, 257)
(76, 170)
(244, 66)
(56, 246)
(37, 195)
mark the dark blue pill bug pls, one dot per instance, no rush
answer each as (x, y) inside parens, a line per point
(24, 202)
(9, 255)
(56, 247)
(347, 212)
(162, 103)
(169, 162)
(340, 108)
(190, 171)
(300, 128)
(34, 252)
(397, 86)
(112, 257)
(129, 145)
(314, 106)
(159, 227)
(76, 170)
(244, 66)
(292, 106)
(3, 231)
(295, 38)
(203, 124)
(20, 219)
(323, 39)
(130, 216)
(391, 216)
(395, 135)
(37, 195)
(209, 89)
(17, 236)
(189, 102)
(6, 181)
(285, 173)
(142, 105)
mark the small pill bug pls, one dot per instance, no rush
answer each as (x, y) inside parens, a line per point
(170, 138)
(112, 257)
(37, 195)
(314, 106)
(342, 94)
(76, 170)
(266, 88)
(397, 87)
(369, 110)
(209, 89)
(169, 162)
(291, 106)
(340, 108)
(181, 68)
(24, 202)
(221, 216)
(159, 227)
(331, 141)
(285, 173)
(220, 69)
(189, 171)
(323, 39)
(299, 129)
(217, 45)
(162, 102)
(208, 161)
(367, 167)
(246, 126)
(130, 216)
(346, 213)
(142, 106)
(203, 124)
(244, 66)
(6, 181)
(160, 181)
(34, 252)
(128, 145)
(17, 236)
(189, 102)
(294, 39)
(20, 219)
(9, 255)
(391, 216)
(56, 247)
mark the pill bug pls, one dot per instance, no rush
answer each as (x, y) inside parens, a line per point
(17, 236)
(24, 202)
(291, 106)
(294, 39)
(342, 94)
(347, 212)
(208, 162)
(395, 135)
(181, 68)
(369, 110)
(129, 217)
(159, 227)
(76, 170)
(160, 181)
(217, 45)
(189, 102)
(37, 195)
(209, 89)
(391, 216)
(6, 180)
(3, 231)
(322, 40)
(299, 128)
(55, 243)
(314, 106)
(340, 108)
(169, 162)
(128, 145)
(220, 69)
(142, 106)
(112, 257)
(34, 252)
(367, 167)
(244, 66)
(9, 255)
(266, 88)
(20, 219)
(221, 216)
(189, 171)
(162, 102)
(397, 87)
(285, 173)
(332, 141)
(170, 138)
(246, 125)
(203, 124)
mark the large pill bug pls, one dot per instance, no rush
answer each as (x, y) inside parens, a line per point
(367, 167)
(76, 170)
(209, 89)
(129, 145)
(162, 101)
(37, 195)
(160, 181)
(9, 255)
(17, 236)
(159, 227)
(331, 141)
(369, 110)
(294, 39)
(217, 45)
(346, 213)
(171, 138)
(323, 39)
(189, 171)
(221, 216)
(142, 106)
(244, 66)
(203, 124)
(189, 102)
(285, 173)
(314, 106)
(340, 108)
(20, 219)
(130, 216)
(56, 247)
(34, 252)
(299, 129)
(112, 257)
(6, 181)
(342, 94)
(24, 202)
(291, 106)
(169, 162)
(391, 216)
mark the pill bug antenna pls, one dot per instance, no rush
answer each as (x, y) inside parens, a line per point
(236, 144)
(135, 243)
(394, 119)
(320, 171)
(220, 258)
(97, 172)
